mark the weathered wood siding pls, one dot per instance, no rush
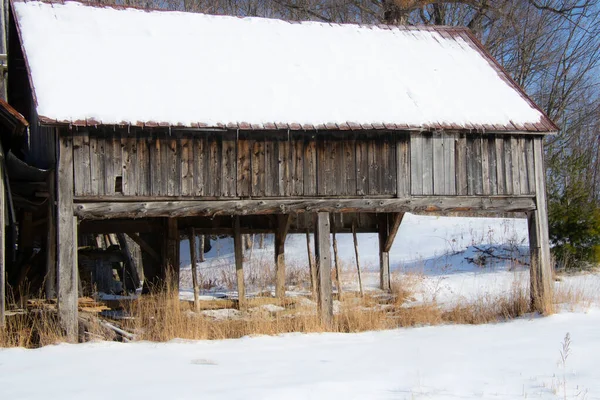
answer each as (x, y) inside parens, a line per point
(471, 165)
(231, 164)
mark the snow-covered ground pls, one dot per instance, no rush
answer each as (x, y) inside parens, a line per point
(517, 359)
(508, 360)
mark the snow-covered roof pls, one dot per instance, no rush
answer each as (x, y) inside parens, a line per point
(111, 65)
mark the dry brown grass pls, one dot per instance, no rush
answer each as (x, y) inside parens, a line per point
(162, 316)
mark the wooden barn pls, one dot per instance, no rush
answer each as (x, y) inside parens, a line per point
(153, 123)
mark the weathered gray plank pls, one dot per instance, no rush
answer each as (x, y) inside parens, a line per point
(187, 166)
(500, 165)
(243, 168)
(439, 181)
(539, 242)
(213, 174)
(508, 166)
(449, 163)
(493, 169)
(349, 166)
(523, 179)
(461, 165)
(416, 164)
(283, 167)
(362, 167)
(200, 164)
(516, 165)
(403, 167)
(103, 210)
(174, 166)
(297, 154)
(228, 168)
(485, 166)
(258, 167)
(427, 160)
(530, 165)
(323, 263)
(67, 241)
(310, 166)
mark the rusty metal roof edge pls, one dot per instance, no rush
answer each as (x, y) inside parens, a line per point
(17, 116)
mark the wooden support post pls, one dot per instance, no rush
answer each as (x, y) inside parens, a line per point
(539, 241)
(239, 263)
(50, 281)
(312, 268)
(357, 259)
(2, 242)
(172, 253)
(335, 258)
(66, 241)
(323, 258)
(131, 277)
(193, 259)
(283, 225)
(384, 256)
(201, 248)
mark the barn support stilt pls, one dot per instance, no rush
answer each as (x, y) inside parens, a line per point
(239, 263)
(66, 241)
(388, 226)
(50, 280)
(193, 259)
(539, 240)
(323, 264)
(283, 225)
(172, 253)
(2, 240)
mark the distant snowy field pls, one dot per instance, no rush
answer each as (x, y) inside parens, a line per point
(508, 360)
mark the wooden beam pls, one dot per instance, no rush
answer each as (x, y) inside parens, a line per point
(323, 258)
(50, 280)
(336, 260)
(357, 261)
(194, 260)
(171, 260)
(239, 264)
(312, 267)
(539, 242)
(393, 226)
(145, 246)
(118, 226)
(106, 210)
(283, 226)
(66, 241)
(384, 256)
(2, 242)
(132, 278)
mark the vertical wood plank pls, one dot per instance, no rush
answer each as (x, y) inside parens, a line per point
(283, 166)
(508, 166)
(67, 241)
(310, 166)
(500, 175)
(485, 166)
(427, 160)
(297, 154)
(187, 167)
(283, 224)
(243, 167)
(493, 165)
(86, 184)
(384, 256)
(200, 164)
(402, 167)
(416, 164)
(374, 154)
(239, 263)
(523, 179)
(3, 241)
(516, 157)
(78, 159)
(258, 167)
(539, 241)
(349, 166)
(461, 165)
(530, 165)
(109, 166)
(323, 264)
(228, 174)
(449, 164)
(362, 167)
(194, 261)
(213, 174)
(174, 166)
(439, 181)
